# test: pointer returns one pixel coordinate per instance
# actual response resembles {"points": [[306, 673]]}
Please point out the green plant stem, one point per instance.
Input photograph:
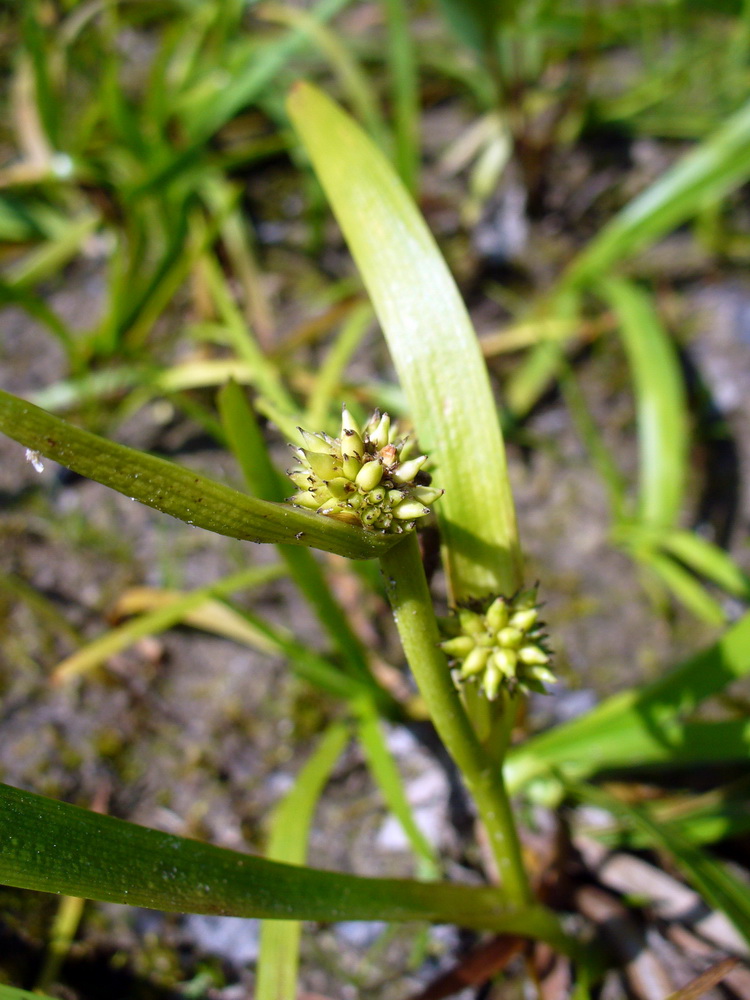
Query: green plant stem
{"points": [[410, 599]]}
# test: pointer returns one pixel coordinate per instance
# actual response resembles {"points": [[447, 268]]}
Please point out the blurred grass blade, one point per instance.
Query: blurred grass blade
{"points": [[707, 559], [175, 608], [177, 491], [355, 84], [404, 87], [717, 166], [290, 830], [327, 388], [600, 454], [249, 447], [699, 986], [685, 587], [709, 876], [51, 846], [475, 22], [702, 819], [431, 340], [266, 375], [249, 82], [648, 715], [710, 171], [660, 402], [385, 772]]}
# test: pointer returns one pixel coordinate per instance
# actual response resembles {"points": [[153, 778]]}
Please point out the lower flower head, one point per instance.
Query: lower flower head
{"points": [[365, 476], [499, 643]]}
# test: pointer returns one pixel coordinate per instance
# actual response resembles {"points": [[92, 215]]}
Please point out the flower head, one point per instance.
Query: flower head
{"points": [[365, 476], [500, 644]]}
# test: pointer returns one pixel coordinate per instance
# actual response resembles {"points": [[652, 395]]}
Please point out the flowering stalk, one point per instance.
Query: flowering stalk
{"points": [[367, 477], [411, 602]]}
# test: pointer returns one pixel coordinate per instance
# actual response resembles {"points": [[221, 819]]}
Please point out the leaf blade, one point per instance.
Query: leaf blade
{"points": [[56, 847], [431, 340], [178, 491]]}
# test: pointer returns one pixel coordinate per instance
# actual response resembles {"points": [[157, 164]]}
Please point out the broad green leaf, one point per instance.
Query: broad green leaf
{"points": [[660, 403], [431, 340], [638, 721], [707, 874], [290, 830], [177, 491], [55, 847]]}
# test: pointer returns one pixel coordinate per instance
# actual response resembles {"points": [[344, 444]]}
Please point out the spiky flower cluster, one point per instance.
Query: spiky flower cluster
{"points": [[500, 643], [364, 477]]}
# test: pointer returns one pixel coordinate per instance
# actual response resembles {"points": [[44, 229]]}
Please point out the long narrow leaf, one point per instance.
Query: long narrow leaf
{"points": [[649, 713], [707, 559], [386, 774], [55, 847], [177, 491], [705, 175], [279, 939], [710, 877], [660, 401], [246, 441], [159, 619], [431, 340]]}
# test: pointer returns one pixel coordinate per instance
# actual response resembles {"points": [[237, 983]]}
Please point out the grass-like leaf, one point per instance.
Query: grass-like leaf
{"points": [[175, 609], [660, 400], [246, 441], [708, 173], [707, 874], [431, 340], [180, 492], [637, 725], [55, 847], [279, 939]]}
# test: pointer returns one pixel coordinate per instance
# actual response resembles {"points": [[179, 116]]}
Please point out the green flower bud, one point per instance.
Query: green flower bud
{"points": [[460, 646], [471, 623], [510, 637], [306, 499], [407, 510], [369, 476], [532, 654], [323, 465], [523, 620], [315, 442], [427, 494], [492, 681], [475, 662], [408, 470], [340, 488], [498, 614]]}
